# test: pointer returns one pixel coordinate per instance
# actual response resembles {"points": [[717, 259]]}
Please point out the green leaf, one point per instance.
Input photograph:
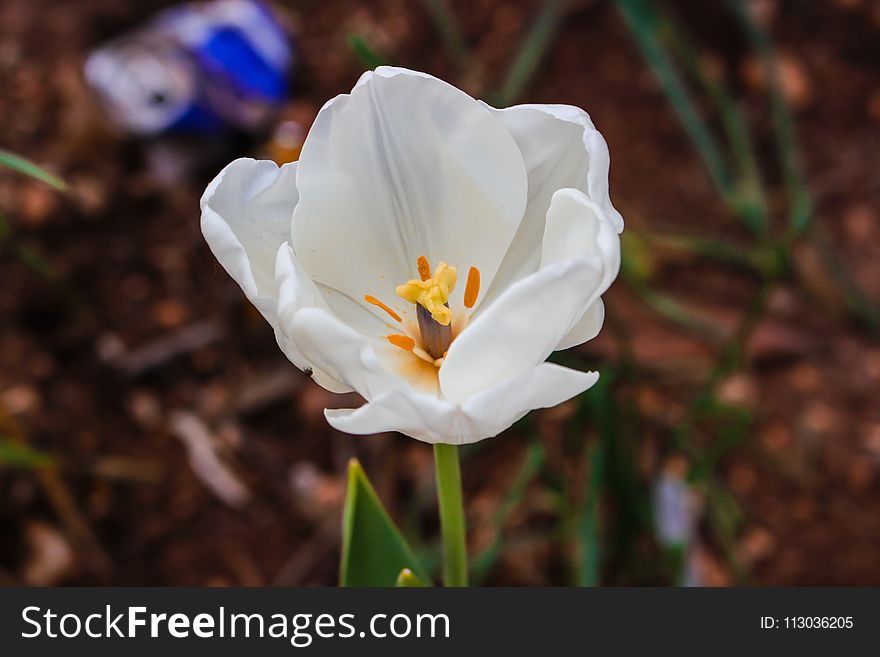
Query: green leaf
{"points": [[364, 52], [749, 201], [637, 258], [21, 165], [644, 22], [799, 198], [486, 558], [373, 551], [590, 525], [532, 50], [14, 454], [448, 27], [406, 579]]}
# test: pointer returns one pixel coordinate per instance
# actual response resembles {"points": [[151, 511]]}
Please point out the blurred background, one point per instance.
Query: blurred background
{"points": [[151, 432]]}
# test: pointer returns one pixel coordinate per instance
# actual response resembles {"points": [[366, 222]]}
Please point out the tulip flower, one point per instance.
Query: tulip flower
{"points": [[429, 252]]}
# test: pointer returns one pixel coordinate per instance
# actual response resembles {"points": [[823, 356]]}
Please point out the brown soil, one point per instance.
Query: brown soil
{"points": [[144, 327]]}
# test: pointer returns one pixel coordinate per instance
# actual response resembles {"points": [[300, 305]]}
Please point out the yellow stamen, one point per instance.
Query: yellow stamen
{"points": [[403, 341], [379, 304], [445, 277], [472, 288], [424, 268], [431, 293]]}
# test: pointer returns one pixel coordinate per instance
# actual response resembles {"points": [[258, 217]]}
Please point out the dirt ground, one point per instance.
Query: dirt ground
{"points": [[141, 351]]}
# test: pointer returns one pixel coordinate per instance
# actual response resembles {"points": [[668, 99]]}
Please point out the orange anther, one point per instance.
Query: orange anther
{"points": [[374, 301], [424, 268], [472, 289], [403, 341]]}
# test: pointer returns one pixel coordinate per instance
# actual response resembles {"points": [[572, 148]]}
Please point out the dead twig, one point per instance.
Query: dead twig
{"points": [[267, 389], [206, 463], [157, 353]]}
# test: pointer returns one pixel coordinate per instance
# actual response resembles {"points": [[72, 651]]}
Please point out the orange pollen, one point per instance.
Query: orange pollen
{"points": [[374, 301], [424, 268], [472, 289], [403, 341]]}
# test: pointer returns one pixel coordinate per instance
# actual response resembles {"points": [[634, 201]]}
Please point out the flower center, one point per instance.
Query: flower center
{"points": [[431, 298], [430, 295], [431, 292]]}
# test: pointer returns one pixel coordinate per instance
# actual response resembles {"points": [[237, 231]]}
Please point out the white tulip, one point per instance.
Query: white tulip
{"points": [[405, 173]]}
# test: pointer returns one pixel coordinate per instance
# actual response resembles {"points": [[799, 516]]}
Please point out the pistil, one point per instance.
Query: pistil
{"points": [[436, 337], [430, 294]]}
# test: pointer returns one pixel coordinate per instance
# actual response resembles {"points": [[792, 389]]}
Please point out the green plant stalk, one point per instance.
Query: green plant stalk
{"points": [[448, 26], [532, 50], [854, 296], [751, 206], [642, 19], [590, 562], [486, 558], [452, 526], [365, 52], [799, 199]]}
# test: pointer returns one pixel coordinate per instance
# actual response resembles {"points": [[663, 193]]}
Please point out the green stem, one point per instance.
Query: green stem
{"points": [[452, 525]]}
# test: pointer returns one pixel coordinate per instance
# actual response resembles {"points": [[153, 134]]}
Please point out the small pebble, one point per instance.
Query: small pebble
{"points": [[757, 545], [50, 557], [146, 408], [796, 85], [170, 313], [860, 222], [21, 399], [739, 390]]}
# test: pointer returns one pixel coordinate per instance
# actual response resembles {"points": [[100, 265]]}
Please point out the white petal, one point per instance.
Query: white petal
{"points": [[520, 328], [246, 216], [406, 165], [342, 353], [561, 148], [297, 291], [575, 224], [485, 415], [541, 387], [420, 416], [586, 328]]}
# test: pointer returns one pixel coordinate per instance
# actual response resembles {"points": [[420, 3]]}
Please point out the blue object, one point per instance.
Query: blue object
{"points": [[196, 68]]}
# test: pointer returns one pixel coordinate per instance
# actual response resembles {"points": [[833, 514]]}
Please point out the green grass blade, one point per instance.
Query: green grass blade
{"points": [[27, 168], [483, 561], [590, 565], [799, 200], [531, 52], [751, 197], [448, 27], [373, 550], [644, 24], [364, 52], [637, 266], [705, 247], [858, 303], [15, 454]]}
